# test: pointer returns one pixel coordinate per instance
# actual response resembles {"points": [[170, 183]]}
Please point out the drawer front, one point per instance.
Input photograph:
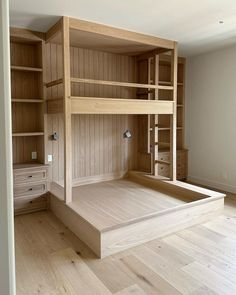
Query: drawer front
{"points": [[30, 176], [181, 164], [30, 204], [163, 156], [30, 190], [163, 170]]}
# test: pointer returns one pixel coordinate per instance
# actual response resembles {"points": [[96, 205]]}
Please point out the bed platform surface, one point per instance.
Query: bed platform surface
{"points": [[115, 215], [110, 204]]}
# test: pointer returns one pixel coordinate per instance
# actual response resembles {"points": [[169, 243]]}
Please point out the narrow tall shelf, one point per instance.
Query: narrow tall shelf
{"points": [[27, 97]]}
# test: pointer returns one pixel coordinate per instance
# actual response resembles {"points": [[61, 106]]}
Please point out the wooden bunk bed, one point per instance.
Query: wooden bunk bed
{"points": [[106, 118]]}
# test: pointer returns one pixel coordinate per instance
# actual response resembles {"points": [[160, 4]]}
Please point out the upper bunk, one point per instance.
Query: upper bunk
{"points": [[74, 33]]}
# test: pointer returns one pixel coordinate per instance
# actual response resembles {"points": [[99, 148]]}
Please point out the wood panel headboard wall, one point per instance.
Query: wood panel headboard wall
{"points": [[99, 150], [94, 81]]}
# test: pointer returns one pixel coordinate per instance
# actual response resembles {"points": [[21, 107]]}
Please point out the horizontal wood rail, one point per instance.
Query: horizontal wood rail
{"points": [[152, 53], [96, 105], [120, 84], [54, 83], [162, 162], [163, 144]]}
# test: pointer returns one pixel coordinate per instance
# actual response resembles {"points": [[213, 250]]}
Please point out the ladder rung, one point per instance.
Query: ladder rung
{"points": [[167, 144], [162, 162]]}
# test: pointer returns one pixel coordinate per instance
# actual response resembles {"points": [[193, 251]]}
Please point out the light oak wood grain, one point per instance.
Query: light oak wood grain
{"points": [[123, 219], [44, 246]]}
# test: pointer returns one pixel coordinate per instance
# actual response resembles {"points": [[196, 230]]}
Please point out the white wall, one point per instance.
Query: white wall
{"points": [[211, 118], [7, 271]]}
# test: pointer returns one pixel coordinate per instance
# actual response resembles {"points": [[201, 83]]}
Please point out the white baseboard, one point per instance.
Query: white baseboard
{"points": [[217, 185]]}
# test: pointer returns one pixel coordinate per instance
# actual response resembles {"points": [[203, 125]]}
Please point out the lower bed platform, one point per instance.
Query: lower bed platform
{"points": [[115, 215]]}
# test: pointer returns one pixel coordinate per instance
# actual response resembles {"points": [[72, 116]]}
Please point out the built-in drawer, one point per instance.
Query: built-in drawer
{"points": [[164, 156], [30, 190], [163, 170], [30, 204], [29, 176], [182, 164]]}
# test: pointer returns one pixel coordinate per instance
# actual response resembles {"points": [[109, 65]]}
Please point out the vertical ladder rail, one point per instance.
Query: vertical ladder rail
{"points": [[173, 121], [155, 118], [149, 143]]}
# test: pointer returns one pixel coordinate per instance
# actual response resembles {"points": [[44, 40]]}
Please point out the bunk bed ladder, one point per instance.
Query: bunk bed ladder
{"points": [[154, 119], [153, 122]]}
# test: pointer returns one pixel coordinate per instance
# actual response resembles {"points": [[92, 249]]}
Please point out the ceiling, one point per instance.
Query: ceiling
{"points": [[193, 23]]}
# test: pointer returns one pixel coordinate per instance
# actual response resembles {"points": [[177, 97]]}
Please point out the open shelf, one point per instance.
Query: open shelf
{"points": [[22, 100], [19, 134], [27, 165], [26, 69]]}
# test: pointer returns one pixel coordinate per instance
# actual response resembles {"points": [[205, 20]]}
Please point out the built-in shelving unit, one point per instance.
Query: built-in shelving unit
{"points": [[27, 98], [28, 128]]}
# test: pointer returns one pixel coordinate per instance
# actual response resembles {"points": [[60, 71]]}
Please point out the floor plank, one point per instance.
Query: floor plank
{"points": [[175, 276], [77, 274], [210, 278], [200, 260], [132, 290]]}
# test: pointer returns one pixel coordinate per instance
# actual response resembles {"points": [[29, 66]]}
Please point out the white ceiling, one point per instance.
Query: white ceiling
{"points": [[193, 23]]}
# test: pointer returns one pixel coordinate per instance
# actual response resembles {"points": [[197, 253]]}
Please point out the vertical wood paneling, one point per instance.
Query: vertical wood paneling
{"points": [[98, 146]]}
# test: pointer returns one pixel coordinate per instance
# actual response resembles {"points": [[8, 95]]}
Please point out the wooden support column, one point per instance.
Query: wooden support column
{"points": [[173, 121], [67, 111]]}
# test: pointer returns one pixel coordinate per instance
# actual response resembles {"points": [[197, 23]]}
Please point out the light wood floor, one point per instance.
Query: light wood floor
{"points": [[114, 202], [200, 260]]}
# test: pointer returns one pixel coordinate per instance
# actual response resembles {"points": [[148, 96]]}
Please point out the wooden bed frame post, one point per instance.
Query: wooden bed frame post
{"points": [[173, 121], [67, 110]]}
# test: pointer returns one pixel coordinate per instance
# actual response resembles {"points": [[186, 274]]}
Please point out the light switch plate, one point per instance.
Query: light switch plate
{"points": [[34, 155], [49, 158]]}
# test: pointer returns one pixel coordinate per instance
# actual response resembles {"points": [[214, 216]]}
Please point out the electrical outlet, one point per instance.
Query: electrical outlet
{"points": [[49, 158], [34, 155]]}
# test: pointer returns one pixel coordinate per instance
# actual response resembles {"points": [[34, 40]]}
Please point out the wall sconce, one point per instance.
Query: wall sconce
{"points": [[54, 136], [127, 134]]}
